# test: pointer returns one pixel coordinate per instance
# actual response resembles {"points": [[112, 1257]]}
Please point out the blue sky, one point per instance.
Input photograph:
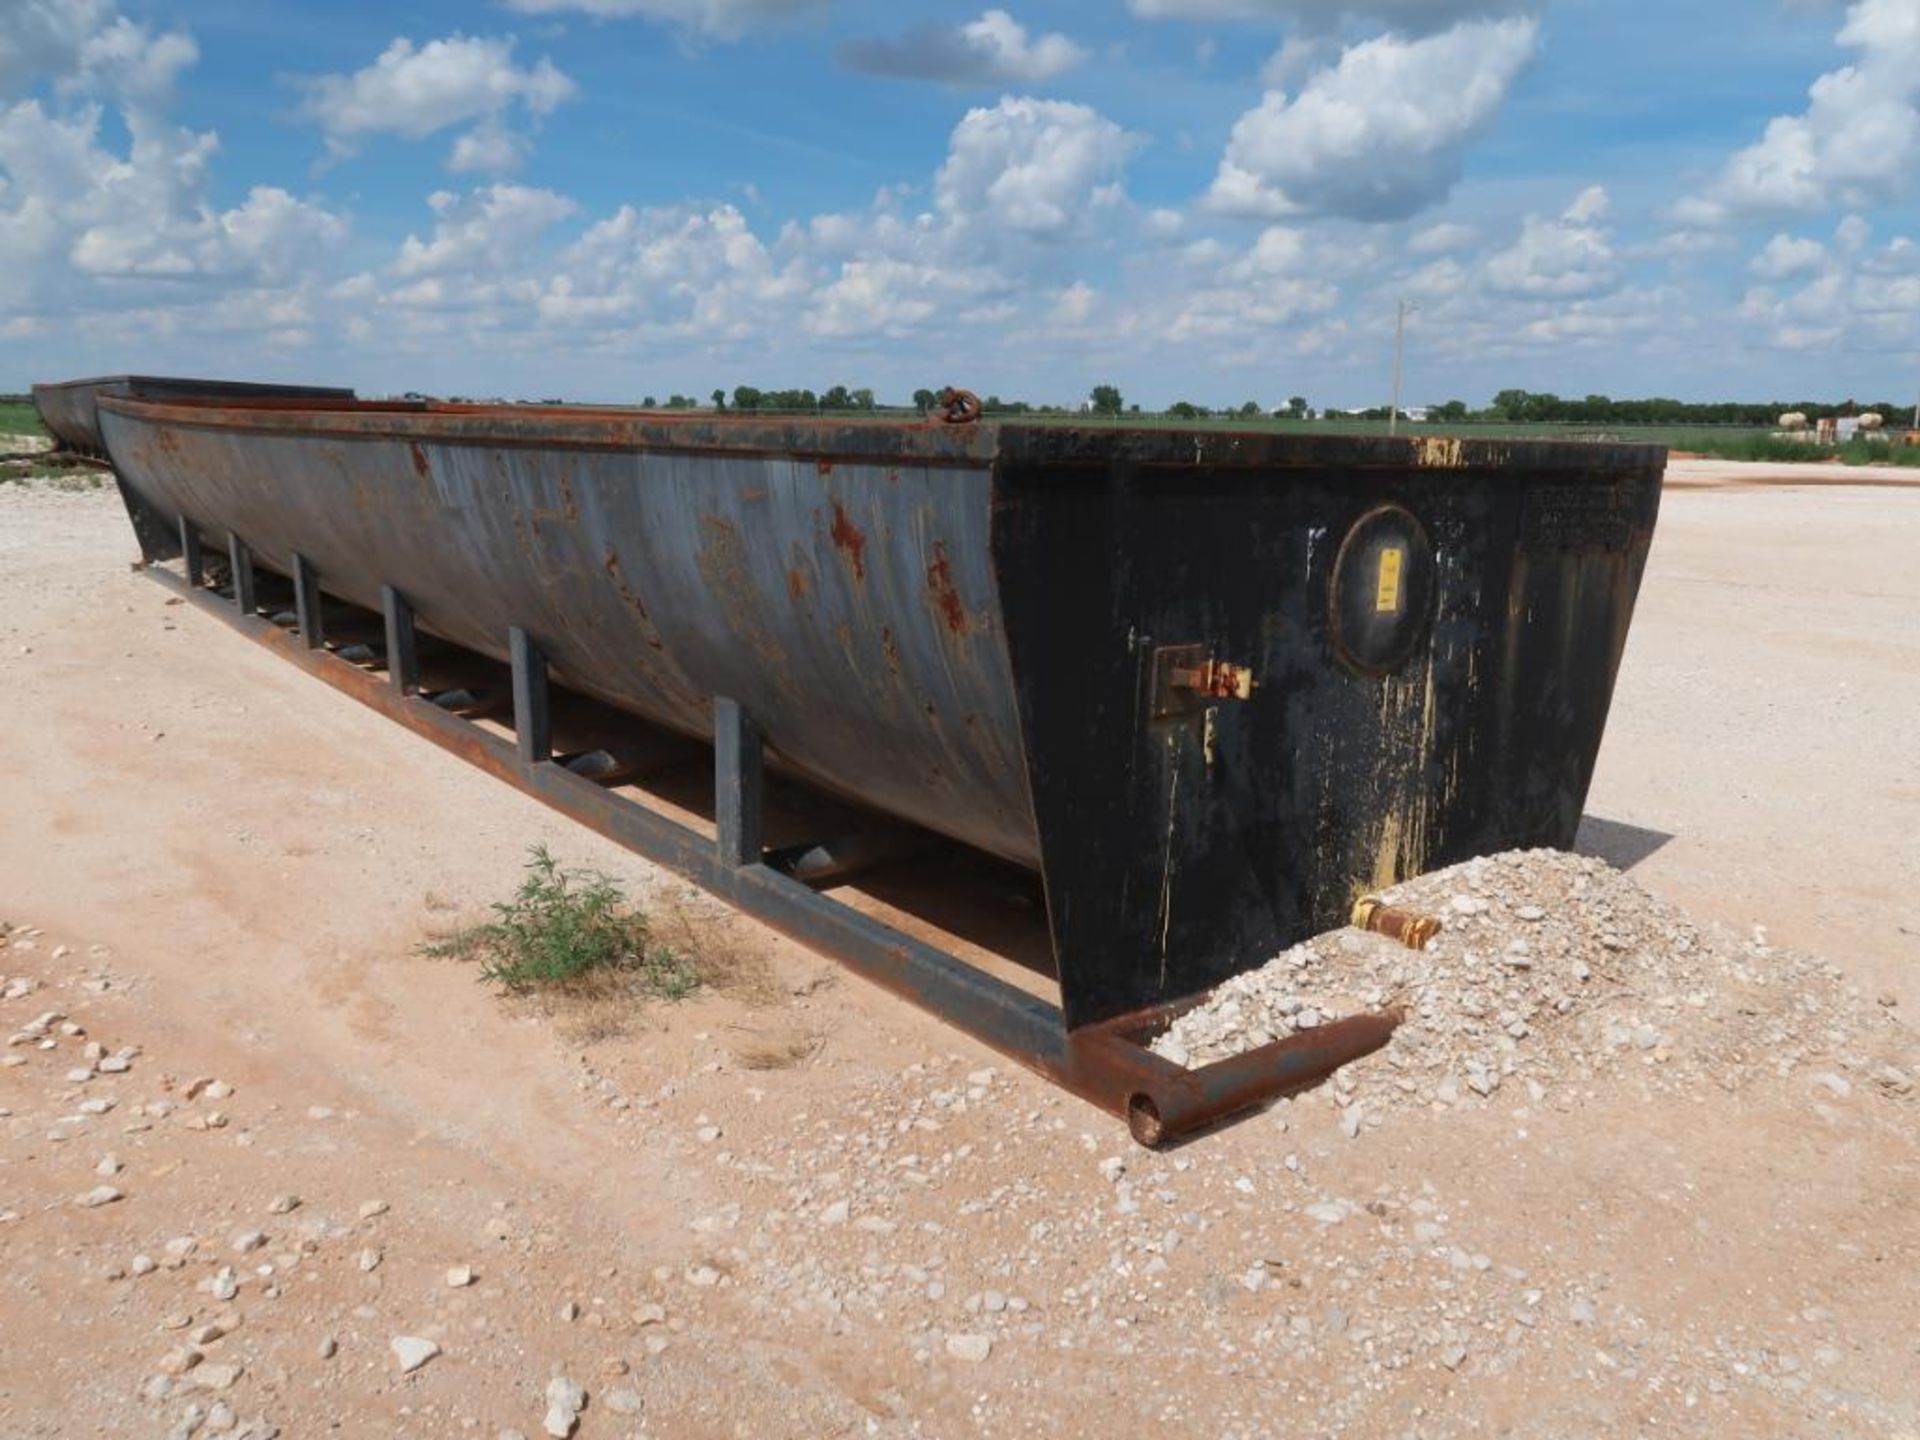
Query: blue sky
{"points": [[1215, 200]]}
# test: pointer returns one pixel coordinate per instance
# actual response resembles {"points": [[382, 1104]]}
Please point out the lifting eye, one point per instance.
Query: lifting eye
{"points": [[1380, 599]]}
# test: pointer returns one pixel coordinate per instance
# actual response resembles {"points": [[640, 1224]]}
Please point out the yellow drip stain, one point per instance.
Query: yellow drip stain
{"points": [[1406, 740], [1439, 452], [1166, 861]]}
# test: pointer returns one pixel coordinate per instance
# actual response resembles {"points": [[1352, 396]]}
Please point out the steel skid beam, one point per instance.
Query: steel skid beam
{"points": [[1106, 1064]]}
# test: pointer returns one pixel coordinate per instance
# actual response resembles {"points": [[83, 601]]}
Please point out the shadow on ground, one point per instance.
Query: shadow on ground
{"points": [[1619, 844]]}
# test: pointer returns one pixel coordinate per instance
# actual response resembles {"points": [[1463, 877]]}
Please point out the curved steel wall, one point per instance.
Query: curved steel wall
{"points": [[70, 408], [848, 603]]}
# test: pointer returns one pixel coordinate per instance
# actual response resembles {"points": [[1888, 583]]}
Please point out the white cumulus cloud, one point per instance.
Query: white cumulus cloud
{"points": [[86, 46], [1787, 255], [488, 230], [683, 271], [1379, 135], [489, 148], [45, 37], [1569, 257], [1039, 168], [1855, 142], [114, 217], [1439, 239], [415, 91], [993, 50]]}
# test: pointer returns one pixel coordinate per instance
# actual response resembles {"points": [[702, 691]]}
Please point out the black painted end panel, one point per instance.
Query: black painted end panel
{"points": [[1184, 839]]}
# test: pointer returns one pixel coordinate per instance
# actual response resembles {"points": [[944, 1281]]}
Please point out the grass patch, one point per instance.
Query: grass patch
{"points": [[18, 417], [1773, 449], [33, 471], [572, 932]]}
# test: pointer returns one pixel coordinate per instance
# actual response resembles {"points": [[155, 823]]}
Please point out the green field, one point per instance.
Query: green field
{"points": [[1677, 437], [18, 417]]}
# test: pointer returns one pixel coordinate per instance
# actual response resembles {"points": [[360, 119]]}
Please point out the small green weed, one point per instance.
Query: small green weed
{"points": [[572, 931]]}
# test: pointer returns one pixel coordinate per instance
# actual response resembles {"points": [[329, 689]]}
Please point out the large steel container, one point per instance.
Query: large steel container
{"points": [[1212, 685], [70, 408], [70, 411]]}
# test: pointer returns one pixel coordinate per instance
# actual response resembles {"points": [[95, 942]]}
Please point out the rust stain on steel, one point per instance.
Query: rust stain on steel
{"points": [[797, 583], [1215, 679], [639, 606], [946, 598], [823, 466], [851, 540], [568, 511], [890, 648], [419, 454], [723, 564]]}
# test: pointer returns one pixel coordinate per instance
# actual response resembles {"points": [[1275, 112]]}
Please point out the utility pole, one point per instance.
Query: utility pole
{"points": [[1399, 358]]}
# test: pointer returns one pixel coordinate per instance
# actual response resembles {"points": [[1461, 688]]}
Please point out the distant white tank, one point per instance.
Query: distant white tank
{"points": [[1793, 420], [1872, 421]]}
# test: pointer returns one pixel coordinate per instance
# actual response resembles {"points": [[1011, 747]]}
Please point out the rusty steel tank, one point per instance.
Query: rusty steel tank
{"points": [[1212, 685], [70, 411], [70, 408]]}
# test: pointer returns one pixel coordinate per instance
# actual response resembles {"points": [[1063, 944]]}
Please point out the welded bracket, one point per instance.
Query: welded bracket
{"points": [[240, 564], [532, 707], [403, 645], [739, 792], [1186, 677], [306, 603]]}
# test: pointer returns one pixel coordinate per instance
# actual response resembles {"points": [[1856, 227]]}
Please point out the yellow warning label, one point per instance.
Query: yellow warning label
{"points": [[1387, 594]]}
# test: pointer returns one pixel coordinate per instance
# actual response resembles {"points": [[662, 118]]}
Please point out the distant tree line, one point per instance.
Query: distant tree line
{"points": [[1509, 406], [1529, 407]]}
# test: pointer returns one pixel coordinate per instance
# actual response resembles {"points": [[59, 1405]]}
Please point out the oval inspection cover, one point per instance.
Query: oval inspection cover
{"points": [[1382, 591]]}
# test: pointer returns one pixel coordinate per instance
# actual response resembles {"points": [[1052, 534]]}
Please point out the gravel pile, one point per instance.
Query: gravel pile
{"points": [[1553, 968]]}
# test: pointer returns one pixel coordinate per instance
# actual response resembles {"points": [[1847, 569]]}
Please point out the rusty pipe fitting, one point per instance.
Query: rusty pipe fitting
{"points": [[1411, 930], [958, 407], [1187, 1101]]}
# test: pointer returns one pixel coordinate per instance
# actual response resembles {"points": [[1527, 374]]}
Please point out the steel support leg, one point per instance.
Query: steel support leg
{"points": [[403, 649], [306, 603], [240, 562], [190, 554], [738, 798], [532, 716]]}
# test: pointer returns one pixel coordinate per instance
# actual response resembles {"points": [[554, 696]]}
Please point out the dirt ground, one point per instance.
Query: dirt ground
{"points": [[1762, 762], [219, 870]]}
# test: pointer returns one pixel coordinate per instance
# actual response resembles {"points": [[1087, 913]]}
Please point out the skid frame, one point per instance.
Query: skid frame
{"points": [[1108, 1063]]}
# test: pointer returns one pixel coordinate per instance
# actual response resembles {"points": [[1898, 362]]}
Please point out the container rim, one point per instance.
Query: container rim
{"points": [[1064, 444], [238, 389]]}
